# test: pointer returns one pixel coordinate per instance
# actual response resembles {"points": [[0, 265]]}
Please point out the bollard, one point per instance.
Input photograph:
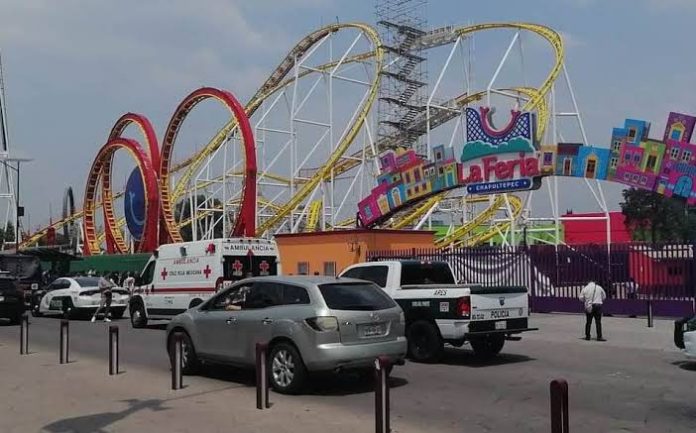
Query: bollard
{"points": [[24, 335], [559, 406], [113, 350], [382, 365], [262, 401], [176, 362], [64, 341], [650, 314]]}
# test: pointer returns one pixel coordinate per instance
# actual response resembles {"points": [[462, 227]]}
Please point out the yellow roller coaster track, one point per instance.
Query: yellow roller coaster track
{"points": [[313, 217], [458, 235], [536, 101], [276, 82]]}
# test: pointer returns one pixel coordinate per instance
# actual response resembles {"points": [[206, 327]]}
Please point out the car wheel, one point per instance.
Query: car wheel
{"points": [[189, 360], [487, 347], [286, 371], [424, 342], [137, 315]]}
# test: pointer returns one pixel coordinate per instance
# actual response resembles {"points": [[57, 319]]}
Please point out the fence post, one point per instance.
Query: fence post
{"points": [[382, 365], [559, 406], [532, 275], [176, 362], [262, 377], [64, 341], [113, 350], [24, 335]]}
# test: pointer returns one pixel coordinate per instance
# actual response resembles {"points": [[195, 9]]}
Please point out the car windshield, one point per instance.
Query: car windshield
{"points": [[87, 281], [355, 296]]}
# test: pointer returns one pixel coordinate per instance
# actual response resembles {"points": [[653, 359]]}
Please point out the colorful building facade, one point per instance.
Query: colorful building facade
{"points": [[509, 159]]}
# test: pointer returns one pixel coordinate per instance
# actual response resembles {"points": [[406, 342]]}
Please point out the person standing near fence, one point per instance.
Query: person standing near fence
{"points": [[106, 297], [593, 296]]}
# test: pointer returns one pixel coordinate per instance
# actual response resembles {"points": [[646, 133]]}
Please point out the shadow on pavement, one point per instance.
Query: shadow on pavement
{"points": [[467, 358], [240, 376], [99, 421], [686, 365], [328, 384], [348, 383]]}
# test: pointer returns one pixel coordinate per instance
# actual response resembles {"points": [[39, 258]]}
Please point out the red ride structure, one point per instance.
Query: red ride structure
{"points": [[155, 168]]}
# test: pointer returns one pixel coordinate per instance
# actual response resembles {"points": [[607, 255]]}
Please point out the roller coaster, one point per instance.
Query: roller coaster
{"points": [[272, 169]]}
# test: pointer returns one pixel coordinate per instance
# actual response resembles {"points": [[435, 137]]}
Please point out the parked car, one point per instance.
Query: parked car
{"points": [[310, 323], [79, 297], [11, 300], [685, 335]]}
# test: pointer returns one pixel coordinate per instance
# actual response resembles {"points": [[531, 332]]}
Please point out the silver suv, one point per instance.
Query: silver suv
{"points": [[310, 324]]}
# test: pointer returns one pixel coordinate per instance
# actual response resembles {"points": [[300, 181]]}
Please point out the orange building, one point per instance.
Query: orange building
{"points": [[328, 253]]}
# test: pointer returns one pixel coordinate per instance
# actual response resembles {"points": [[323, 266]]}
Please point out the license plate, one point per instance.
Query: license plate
{"points": [[372, 330], [56, 304], [501, 325]]}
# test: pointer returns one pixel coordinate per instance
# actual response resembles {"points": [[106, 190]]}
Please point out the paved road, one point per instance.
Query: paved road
{"points": [[636, 382]]}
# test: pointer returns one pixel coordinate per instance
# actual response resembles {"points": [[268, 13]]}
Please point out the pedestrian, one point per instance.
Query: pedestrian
{"points": [[129, 283], [105, 303], [631, 289], [593, 296]]}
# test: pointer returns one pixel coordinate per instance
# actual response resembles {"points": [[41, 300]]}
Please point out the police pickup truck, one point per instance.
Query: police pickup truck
{"points": [[438, 311]]}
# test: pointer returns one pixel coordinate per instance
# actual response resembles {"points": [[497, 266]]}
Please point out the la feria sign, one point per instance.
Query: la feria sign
{"points": [[499, 160]]}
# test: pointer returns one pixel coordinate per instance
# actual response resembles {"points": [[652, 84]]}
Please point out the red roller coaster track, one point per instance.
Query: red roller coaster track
{"points": [[104, 159], [114, 239], [246, 221], [155, 170]]}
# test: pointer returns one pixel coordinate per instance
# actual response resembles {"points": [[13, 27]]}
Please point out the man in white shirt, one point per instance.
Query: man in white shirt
{"points": [[593, 296], [129, 283]]}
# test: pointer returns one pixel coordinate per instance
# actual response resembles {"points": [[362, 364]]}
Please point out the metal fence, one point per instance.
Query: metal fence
{"points": [[633, 274]]}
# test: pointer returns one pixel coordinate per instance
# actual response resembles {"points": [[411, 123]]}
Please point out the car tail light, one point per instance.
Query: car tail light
{"points": [[323, 323], [464, 306]]}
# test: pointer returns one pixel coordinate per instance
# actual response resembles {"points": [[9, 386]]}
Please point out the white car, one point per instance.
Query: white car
{"points": [[80, 296], [690, 344]]}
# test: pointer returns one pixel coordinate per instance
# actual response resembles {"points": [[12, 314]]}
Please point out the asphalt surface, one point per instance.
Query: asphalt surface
{"points": [[636, 382]]}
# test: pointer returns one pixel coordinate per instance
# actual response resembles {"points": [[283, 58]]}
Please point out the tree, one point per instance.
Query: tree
{"points": [[654, 217], [182, 212]]}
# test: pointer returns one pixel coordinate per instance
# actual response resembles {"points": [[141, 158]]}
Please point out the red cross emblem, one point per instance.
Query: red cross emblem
{"points": [[237, 266], [264, 266], [207, 271], [164, 273]]}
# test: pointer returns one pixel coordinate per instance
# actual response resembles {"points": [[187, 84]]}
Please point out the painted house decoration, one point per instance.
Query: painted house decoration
{"points": [[406, 178], [509, 159]]}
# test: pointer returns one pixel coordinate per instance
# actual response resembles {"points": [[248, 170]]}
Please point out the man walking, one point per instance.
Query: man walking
{"points": [[593, 296], [106, 297]]}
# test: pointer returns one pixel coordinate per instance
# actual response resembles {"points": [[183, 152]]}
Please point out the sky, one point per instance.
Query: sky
{"points": [[73, 67]]}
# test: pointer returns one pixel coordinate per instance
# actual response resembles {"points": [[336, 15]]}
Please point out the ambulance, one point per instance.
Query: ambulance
{"points": [[180, 276]]}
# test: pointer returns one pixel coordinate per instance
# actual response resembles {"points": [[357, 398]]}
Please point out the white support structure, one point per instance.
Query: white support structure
{"points": [[8, 203]]}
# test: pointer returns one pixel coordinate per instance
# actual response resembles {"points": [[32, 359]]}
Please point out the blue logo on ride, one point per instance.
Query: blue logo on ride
{"points": [[134, 204]]}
